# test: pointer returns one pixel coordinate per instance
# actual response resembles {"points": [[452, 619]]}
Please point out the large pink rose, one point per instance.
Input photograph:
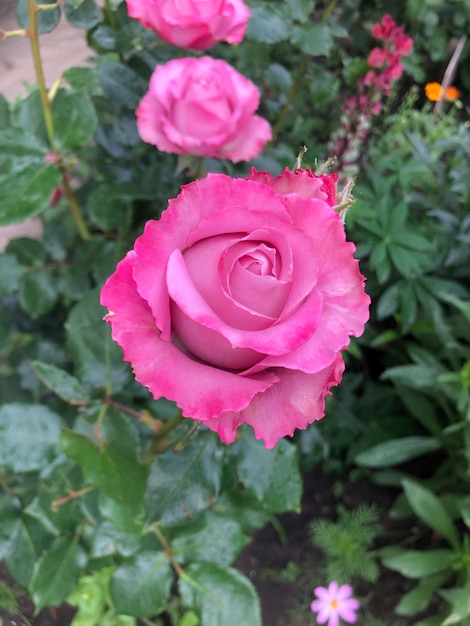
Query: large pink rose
{"points": [[238, 302], [202, 107], [196, 24]]}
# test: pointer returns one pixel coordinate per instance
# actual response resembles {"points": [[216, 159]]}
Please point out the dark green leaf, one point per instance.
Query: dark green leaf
{"points": [[29, 437], [414, 376], [113, 467], [313, 38], [223, 596], [75, 119], [121, 85], [141, 586], [10, 523], [108, 541], [267, 25], [388, 302], [4, 112], [417, 564], [24, 550], [98, 358], [56, 573], [182, 484], [47, 19], [273, 475], [50, 505], [38, 293], [209, 537], [396, 451], [62, 383], [300, 10], [84, 14], [26, 179], [84, 79], [429, 508], [10, 274]]}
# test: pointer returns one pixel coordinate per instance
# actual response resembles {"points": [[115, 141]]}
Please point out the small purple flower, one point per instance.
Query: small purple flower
{"points": [[333, 603]]}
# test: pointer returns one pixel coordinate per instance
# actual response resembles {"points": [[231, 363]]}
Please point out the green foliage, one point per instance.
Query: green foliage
{"points": [[346, 544], [95, 507]]}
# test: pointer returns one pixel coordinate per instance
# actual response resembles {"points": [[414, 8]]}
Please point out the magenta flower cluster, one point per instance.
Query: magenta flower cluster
{"points": [[199, 106], [385, 68]]}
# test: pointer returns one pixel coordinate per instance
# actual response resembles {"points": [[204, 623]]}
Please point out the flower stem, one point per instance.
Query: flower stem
{"points": [[75, 209], [159, 444], [48, 120], [110, 15], [34, 41]]}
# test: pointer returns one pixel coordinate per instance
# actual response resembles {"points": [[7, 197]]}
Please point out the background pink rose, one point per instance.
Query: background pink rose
{"points": [[202, 107], [237, 304], [196, 24]]}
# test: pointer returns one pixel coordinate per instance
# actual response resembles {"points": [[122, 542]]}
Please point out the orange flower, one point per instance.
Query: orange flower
{"points": [[452, 93], [434, 92]]}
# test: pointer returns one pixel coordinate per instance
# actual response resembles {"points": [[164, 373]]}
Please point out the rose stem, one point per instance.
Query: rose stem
{"points": [[48, 121], [158, 444]]}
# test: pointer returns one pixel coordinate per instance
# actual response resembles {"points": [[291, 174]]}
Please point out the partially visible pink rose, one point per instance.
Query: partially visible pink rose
{"points": [[202, 107], [195, 24], [238, 303]]}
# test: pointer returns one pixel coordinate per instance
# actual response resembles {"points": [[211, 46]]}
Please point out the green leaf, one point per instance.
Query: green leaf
{"points": [[4, 112], [56, 573], [84, 79], [223, 596], [389, 300], [300, 10], [141, 585], [98, 358], [430, 510], [459, 598], [209, 537], [10, 523], [109, 541], [60, 382], [56, 482], [84, 14], [313, 38], [38, 293], [419, 597], [414, 376], [273, 475], [47, 19], [121, 84], [183, 483], [464, 508], [417, 564], [10, 274], [267, 25], [396, 451], [26, 179], [75, 119], [29, 437], [25, 546], [404, 261], [113, 467]]}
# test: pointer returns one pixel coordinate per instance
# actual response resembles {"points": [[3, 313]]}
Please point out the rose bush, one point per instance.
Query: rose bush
{"points": [[238, 302], [202, 107], [195, 24]]}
